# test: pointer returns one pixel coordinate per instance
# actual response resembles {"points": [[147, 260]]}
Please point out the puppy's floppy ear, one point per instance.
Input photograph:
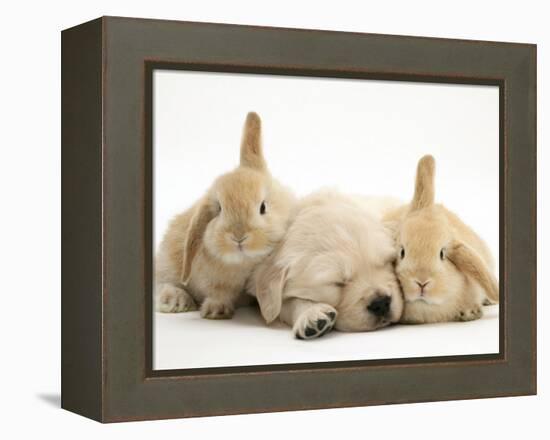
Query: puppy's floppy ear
{"points": [[424, 190], [252, 155], [199, 221], [471, 264], [270, 283]]}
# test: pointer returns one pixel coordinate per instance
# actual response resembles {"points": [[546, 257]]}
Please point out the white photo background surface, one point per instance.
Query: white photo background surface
{"points": [[360, 136]]}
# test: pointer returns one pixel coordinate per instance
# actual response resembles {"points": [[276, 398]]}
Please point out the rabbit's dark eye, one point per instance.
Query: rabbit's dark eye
{"points": [[442, 254], [262, 208], [402, 254]]}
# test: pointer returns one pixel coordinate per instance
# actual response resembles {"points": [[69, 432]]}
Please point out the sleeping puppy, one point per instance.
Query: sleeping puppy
{"points": [[334, 268]]}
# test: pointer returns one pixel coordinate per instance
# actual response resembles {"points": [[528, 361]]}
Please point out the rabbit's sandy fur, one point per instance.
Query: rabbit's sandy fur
{"points": [[333, 262], [199, 263], [461, 281]]}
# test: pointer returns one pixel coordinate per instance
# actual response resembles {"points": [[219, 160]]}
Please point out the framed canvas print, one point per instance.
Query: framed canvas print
{"points": [[263, 219]]}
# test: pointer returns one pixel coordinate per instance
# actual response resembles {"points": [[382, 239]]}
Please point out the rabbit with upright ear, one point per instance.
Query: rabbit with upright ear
{"points": [[209, 251], [444, 267]]}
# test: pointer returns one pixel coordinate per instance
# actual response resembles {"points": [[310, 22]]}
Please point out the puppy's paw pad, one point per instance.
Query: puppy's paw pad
{"points": [[310, 332], [174, 300], [216, 310], [315, 322], [470, 314]]}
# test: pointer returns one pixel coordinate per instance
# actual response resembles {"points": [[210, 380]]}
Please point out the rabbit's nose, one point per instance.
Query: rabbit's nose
{"points": [[239, 240], [422, 285], [380, 306]]}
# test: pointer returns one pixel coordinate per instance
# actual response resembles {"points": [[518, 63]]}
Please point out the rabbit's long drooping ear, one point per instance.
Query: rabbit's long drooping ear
{"points": [[424, 190], [269, 286], [193, 241], [252, 155], [471, 264]]}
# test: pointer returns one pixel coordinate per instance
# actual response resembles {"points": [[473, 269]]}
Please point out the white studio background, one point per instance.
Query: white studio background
{"points": [[361, 136], [30, 220]]}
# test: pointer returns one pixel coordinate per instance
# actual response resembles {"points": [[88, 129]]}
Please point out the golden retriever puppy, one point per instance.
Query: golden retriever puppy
{"points": [[333, 269]]}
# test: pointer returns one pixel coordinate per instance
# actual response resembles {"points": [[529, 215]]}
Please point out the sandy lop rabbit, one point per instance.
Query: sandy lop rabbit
{"points": [[209, 251], [444, 267], [334, 268]]}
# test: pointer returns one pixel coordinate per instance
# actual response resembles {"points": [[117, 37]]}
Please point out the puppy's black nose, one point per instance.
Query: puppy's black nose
{"points": [[380, 306]]}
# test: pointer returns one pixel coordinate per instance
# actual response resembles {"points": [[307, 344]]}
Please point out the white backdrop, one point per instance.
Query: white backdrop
{"points": [[364, 137], [30, 189], [361, 136]]}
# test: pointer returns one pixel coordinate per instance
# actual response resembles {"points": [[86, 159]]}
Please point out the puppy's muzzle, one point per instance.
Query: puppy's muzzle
{"points": [[380, 306]]}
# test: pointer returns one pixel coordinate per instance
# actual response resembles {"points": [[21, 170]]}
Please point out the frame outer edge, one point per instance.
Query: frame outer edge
{"points": [[534, 78], [82, 366]]}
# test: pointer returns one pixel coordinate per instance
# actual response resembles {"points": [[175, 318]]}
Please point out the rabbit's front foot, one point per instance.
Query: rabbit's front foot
{"points": [[470, 314], [172, 299], [214, 309]]}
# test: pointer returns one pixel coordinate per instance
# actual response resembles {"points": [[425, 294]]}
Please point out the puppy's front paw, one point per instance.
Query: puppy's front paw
{"points": [[314, 322], [172, 299], [470, 314], [212, 309]]}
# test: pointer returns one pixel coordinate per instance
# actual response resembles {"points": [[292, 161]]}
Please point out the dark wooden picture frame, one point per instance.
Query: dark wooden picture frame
{"points": [[107, 67]]}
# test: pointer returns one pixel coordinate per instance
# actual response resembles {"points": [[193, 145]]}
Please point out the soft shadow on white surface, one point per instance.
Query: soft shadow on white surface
{"points": [[184, 340], [52, 399]]}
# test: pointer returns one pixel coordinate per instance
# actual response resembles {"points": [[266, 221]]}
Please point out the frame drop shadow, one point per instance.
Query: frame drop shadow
{"points": [[52, 399]]}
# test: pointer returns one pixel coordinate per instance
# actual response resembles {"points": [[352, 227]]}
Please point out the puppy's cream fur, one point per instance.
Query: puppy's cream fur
{"points": [[209, 251], [334, 261], [445, 269]]}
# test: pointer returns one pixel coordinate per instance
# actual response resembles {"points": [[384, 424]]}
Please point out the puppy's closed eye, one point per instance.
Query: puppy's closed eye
{"points": [[340, 284]]}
